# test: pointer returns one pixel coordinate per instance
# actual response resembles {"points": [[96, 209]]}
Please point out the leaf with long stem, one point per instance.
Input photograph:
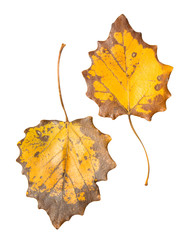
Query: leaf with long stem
{"points": [[126, 76], [62, 162]]}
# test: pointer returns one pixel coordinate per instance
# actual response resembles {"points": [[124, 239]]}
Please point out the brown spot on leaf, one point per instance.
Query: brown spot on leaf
{"points": [[45, 138], [134, 54], [159, 78], [38, 132], [36, 154], [158, 87]]}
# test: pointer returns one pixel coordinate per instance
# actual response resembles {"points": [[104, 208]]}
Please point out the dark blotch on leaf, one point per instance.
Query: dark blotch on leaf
{"points": [[158, 87], [159, 78], [36, 154], [38, 132], [45, 138], [134, 54], [79, 161]]}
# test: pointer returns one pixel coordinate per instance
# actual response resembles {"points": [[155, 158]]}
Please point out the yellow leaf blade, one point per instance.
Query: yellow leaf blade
{"points": [[125, 76], [63, 161]]}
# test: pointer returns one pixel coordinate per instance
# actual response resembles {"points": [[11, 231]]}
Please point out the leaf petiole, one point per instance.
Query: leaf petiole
{"points": [[146, 183], [58, 78]]}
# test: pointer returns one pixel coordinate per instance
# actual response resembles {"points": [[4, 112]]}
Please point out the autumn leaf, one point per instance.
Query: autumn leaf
{"points": [[62, 162], [126, 77]]}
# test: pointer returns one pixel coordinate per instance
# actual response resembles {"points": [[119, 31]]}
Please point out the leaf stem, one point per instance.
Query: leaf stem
{"points": [[146, 183], [58, 78]]}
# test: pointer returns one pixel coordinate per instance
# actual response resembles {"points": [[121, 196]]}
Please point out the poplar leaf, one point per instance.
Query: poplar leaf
{"points": [[62, 162], [126, 76]]}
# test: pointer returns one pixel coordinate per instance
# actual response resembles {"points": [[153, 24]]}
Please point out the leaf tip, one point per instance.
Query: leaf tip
{"points": [[121, 18], [57, 225]]}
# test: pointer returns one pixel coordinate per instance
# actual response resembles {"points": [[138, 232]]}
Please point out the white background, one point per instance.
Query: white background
{"points": [[31, 33]]}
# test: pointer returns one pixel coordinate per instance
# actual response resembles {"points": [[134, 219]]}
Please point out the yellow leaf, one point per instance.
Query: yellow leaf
{"points": [[126, 76], [63, 161]]}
